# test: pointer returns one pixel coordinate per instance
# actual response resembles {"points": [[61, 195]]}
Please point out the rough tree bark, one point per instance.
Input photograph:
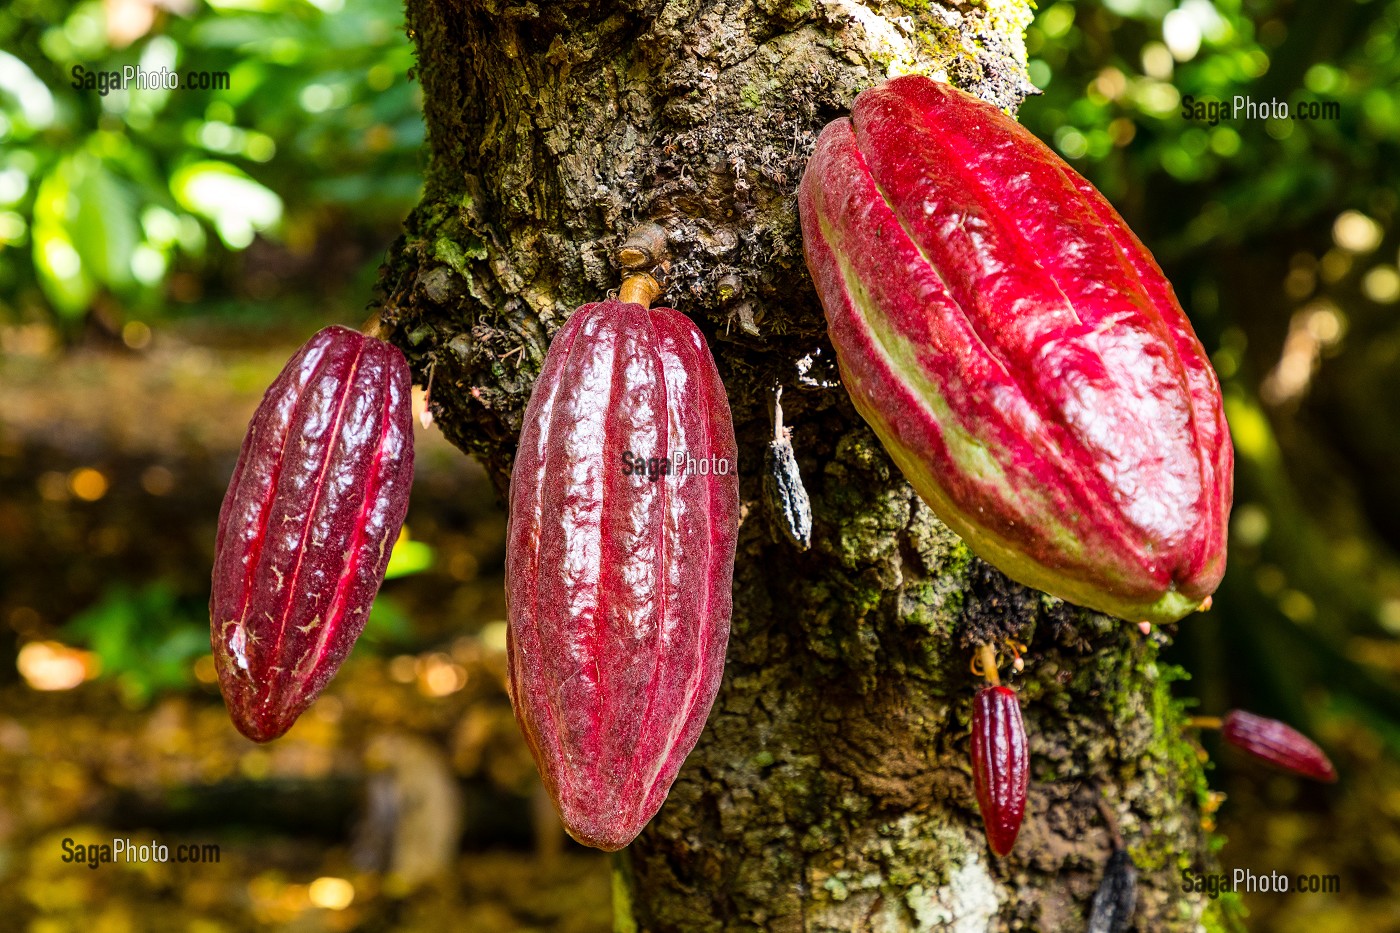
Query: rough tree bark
{"points": [[832, 789]]}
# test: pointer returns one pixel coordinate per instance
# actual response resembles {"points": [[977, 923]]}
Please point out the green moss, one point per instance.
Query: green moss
{"points": [[1009, 18], [836, 888], [937, 46]]}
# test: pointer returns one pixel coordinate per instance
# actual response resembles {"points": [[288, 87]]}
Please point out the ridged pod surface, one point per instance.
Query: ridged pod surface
{"points": [[1018, 352], [311, 515], [1277, 743], [1000, 765], [619, 570]]}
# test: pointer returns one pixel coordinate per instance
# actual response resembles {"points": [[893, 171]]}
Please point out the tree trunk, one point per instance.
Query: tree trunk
{"points": [[831, 789]]}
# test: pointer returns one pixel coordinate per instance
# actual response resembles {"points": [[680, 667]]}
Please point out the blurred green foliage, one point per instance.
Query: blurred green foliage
{"points": [[147, 639], [107, 193], [1115, 75]]}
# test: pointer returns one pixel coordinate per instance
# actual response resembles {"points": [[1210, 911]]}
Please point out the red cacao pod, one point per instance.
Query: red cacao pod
{"points": [[1280, 745], [1000, 765], [624, 505], [1018, 352], [310, 518]]}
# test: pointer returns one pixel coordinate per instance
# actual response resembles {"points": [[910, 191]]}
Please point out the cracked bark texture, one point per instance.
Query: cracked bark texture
{"points": [[831, 789]]}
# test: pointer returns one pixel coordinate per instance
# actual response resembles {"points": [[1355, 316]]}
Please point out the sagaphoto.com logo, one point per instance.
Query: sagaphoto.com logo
{"points": [[1212, 112], [134, 77], [680, 463]]}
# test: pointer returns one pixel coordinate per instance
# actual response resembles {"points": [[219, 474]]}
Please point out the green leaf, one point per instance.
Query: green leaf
{"points": [[234, 203], [388, 623], [105, 230], [408, 557], [62, 275]]}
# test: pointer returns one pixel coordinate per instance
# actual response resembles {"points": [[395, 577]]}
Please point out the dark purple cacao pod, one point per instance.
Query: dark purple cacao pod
{"points": [[1280, 745], [1018, 352], [310, 518], [624, 506], [1000, 765]]}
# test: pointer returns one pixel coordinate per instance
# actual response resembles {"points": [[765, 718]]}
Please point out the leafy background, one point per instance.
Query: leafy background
{"points": [[162, 252]]}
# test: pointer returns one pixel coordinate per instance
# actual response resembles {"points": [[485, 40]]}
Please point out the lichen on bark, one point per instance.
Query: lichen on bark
{"points": [[831, 789]]}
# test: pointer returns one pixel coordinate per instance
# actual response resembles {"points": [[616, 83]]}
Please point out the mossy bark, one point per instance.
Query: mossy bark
{"points": [[831, 789]]}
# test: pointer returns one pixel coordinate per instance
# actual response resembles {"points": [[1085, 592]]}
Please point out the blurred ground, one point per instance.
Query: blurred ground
{"points": [[113, 462]]}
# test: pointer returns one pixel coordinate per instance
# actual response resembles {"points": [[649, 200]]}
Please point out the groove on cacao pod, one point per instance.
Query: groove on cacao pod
{"points": [[315, 504], [1018, 352], [1000, 765], [618, 580]]}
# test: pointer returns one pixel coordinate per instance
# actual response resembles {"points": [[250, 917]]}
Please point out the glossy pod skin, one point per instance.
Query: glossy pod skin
{"points": [[618, 569], [310, 518], [1000, 765], [1276, 743], [1018, 352]]}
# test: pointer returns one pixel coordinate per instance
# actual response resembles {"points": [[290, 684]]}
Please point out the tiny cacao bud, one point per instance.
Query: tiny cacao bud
{"points": [[1000, 765], [1018, 352], [1116, 898], [624, 511], [1276, 743], [311, 515], [644, 248]]}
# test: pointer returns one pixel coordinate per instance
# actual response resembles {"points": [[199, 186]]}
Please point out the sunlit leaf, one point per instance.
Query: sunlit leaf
{"points": [[105, 230], [21, 88], [237, 205], [408, 557], [57, 262]]}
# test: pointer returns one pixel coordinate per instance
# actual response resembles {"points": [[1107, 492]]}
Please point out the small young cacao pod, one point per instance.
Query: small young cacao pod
{"points": [[624, 508], [1280, 745], [311, 515], [1018, 352], [1000, 765]]}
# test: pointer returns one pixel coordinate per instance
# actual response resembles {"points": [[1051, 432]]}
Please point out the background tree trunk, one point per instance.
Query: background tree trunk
{"points": [[831, 789]]}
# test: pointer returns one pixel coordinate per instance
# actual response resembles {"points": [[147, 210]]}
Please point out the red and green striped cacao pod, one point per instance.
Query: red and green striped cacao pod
{"points": [[624, 507], [311, 514], [1000, 765], [1018, 352], [1277, 743]]}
